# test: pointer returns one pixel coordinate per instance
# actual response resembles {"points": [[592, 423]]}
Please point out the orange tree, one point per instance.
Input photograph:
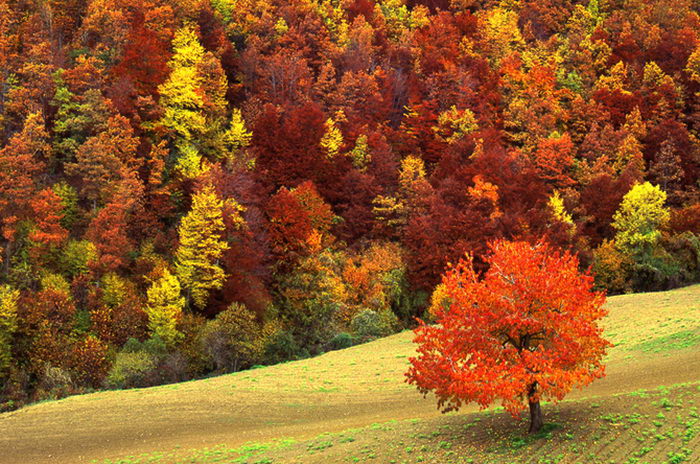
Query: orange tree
{"points": [[527, 331]]}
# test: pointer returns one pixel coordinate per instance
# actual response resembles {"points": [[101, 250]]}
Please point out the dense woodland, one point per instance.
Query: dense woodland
{"points": [[197, 186]]}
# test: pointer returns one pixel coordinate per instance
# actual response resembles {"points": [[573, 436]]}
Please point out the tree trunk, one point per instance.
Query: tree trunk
{"points": [[536, 422]]}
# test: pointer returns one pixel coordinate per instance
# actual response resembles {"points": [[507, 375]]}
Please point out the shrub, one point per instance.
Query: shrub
{"points": [[130, 370], [657, 271], [55, 382], [611, 268], [89, 361], [685, 250], [281, 346], [233, 340], [191, 345], [14, 389], [341, 341], [146, 364], [369, 324]]}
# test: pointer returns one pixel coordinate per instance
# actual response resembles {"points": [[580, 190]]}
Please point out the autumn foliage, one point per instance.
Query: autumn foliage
{"points": [[315, 165], [524, 333]]}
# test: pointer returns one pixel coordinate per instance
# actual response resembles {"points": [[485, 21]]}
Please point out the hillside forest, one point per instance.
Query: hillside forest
{"points": [[191, 187]]}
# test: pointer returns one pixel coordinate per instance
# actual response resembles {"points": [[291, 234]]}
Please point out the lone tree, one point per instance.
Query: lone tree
{"points": [[525, 332]]}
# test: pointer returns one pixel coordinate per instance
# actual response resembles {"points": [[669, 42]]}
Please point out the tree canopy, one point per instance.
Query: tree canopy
{"points": [[526, 332]]}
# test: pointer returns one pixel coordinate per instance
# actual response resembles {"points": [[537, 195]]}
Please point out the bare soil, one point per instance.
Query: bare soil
{"points": [[331, 393]]}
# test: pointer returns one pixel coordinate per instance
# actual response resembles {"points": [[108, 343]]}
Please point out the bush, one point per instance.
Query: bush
{"points": [[685, 250], [153, 346], [341, 341], [233, 340], [14, 389], [55, 383], [611, 268], [130, 370], [89, 361], [146, 364], [369, 324], [675, 262], [192, 327], [281, 346]]}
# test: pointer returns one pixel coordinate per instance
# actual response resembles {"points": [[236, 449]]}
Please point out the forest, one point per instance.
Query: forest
{"points": [[190, 187]]}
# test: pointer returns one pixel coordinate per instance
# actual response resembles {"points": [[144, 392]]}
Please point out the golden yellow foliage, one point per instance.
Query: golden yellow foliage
{"points": [[8, 323], [201, 247], [164, 307]]}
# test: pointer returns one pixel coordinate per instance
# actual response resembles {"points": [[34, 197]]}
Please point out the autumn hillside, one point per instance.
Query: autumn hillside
{"points": [[195, 187], [656, 335]]}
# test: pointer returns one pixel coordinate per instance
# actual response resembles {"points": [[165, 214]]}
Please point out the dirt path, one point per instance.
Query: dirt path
{"points": [[114, 424]]}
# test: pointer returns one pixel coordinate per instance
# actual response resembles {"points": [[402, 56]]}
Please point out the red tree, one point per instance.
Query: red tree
{"points": [[526, 332], [49, 234], [294, 216]]}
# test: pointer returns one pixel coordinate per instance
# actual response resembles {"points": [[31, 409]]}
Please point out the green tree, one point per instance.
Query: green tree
{"points": [[234, 339], [77, 256], [311, 297], [361, 155], [69, 201], [201, 246], [76, 120]]}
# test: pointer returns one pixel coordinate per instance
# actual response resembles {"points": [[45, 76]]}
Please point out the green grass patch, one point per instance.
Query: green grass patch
{"points": [[672, 342]]}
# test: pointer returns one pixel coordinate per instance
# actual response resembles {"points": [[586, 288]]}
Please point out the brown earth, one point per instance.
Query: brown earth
{"points": [[658, 426], [339, 390]]}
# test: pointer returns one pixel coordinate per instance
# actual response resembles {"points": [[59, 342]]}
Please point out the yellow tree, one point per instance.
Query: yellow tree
{"points": [[502, 34], [411, 174], [201, 246], [455, 124], [332, 139], [193, 101], [557, 209], [237, 138], [394, 210], [361, 155], [183, 106], [693, 66], [165, 307], [641, 215], [8, 323], [629, 157]]}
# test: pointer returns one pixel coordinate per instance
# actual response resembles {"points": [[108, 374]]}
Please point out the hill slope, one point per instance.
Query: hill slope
{"points": [[656, 337]]}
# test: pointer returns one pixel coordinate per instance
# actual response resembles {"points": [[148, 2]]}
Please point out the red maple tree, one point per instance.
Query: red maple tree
{"points": [[527, 331]]}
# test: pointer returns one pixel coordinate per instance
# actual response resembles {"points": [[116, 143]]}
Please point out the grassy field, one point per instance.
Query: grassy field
{"points": [[353, 406], [647, 426]]}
